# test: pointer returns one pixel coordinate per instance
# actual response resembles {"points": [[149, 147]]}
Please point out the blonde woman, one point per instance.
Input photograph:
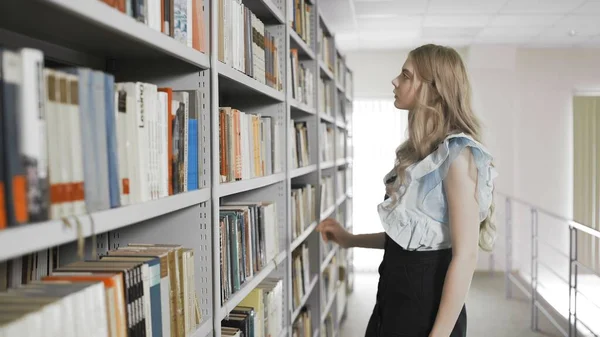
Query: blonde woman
{"points": [[438, 208]]}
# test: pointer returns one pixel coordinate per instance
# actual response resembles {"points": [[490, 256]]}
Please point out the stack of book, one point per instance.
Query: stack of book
{"points": [[302, 326], [326, 49], [300, 19], [340, 71], [302, 80], [325, 97], [327, 142], [303, 208], [181, 19], [135, 290], [341, 179], [249, 145], [259, 314], [330, 279], [246, 45], [340, 144], [300, 274], [74, 141], [299, 144], [249, 240], [327, 193]]}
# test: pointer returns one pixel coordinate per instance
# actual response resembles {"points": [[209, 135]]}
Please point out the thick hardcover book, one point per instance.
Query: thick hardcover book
{"points": [[15, 177], [33, 134]]}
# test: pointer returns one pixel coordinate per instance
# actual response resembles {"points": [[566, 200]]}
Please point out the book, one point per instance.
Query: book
{"points": [[15, 183]]}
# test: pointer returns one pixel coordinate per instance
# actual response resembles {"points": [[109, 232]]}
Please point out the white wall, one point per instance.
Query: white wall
{"points": [[523, 97]]}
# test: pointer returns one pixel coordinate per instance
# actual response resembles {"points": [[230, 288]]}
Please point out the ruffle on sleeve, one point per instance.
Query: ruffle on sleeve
{"points": [[432, 170]]}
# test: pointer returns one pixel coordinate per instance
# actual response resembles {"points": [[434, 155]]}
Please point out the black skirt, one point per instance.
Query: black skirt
{"points": [[409, 293]]}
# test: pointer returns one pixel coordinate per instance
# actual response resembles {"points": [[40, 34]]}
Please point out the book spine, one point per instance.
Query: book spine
{"points": [[111, 141], [15, 181], [33, 135], [77, 179]]}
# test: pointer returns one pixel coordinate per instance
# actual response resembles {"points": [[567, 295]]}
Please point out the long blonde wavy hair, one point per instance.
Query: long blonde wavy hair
{"points": [[443, 107]]}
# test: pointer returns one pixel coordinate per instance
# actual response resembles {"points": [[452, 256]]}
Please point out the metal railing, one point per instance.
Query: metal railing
{"points": [[574, 264]]}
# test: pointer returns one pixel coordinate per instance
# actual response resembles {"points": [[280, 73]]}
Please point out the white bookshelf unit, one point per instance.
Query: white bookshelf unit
{"points": [[91, 34]]}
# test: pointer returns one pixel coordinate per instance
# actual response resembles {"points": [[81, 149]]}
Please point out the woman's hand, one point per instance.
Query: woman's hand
{"points": [[331, 229]]}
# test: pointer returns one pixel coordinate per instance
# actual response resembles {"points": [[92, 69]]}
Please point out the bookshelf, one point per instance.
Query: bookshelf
{"points": [[89, 33]]}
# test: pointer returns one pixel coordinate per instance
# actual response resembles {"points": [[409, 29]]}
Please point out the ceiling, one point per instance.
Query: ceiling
{"points": [[399, 24]]}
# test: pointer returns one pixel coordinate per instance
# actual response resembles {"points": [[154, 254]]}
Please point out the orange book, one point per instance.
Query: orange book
{"points": [[198, 26], [115, 292], [170, 119], [118, 4], [237, 133], [162, 16]]}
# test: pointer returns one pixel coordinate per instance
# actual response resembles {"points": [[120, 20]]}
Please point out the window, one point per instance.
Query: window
{"points": [[379, 128]]}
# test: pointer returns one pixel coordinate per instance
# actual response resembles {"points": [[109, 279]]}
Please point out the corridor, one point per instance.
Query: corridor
{"points": [[490, 314]]}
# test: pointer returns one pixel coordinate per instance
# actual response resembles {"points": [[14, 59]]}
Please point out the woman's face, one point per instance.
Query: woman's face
{"points": [[405, 87]]}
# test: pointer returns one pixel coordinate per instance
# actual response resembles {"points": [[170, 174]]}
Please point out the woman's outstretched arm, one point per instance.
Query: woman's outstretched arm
{"points": [[463, 209], [331, 229]]}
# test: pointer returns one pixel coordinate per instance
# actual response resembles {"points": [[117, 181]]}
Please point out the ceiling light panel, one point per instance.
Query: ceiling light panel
{"points": [[465, 6], [541, 6]]}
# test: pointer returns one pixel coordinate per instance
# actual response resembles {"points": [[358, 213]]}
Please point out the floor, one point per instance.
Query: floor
{"points": [[490, 314]]}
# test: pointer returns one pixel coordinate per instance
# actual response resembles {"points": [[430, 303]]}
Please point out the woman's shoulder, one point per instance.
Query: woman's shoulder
{"points": [[448, 150]]}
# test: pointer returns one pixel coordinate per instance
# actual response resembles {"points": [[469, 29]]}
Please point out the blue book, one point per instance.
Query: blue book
{"points": [[111, 141], [192, 155]]}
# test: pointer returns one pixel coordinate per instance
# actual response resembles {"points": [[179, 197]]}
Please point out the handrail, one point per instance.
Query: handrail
{"points": [[574, 264], [571, 222]]}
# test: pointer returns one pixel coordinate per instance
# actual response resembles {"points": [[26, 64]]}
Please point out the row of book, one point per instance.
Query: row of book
{"points": [[301, 276], [303, 208], [327, 193], [340, 70], [134, 290], [246, 45], [259, 314], [299, 144], [327, 327], [248, 241], [249, 145], [326, 90], [341, 181], [330, 280], [181, 19], [327, 142], [74, 141], [302, 79], [326, 49], [300, 19], [340, 144], [302, 327]]}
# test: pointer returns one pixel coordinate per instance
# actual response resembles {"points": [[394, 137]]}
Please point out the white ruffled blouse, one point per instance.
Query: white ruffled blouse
{"points": [[419, 220]]}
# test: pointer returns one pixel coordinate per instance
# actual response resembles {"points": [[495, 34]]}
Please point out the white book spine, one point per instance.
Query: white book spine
{"points": [[131, 132], [189, 23], [76, 162], [64, 128], [143, 103], [31, 118]]}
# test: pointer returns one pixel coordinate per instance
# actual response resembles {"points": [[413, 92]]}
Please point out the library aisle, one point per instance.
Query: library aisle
{"points": [[164, 165]]}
